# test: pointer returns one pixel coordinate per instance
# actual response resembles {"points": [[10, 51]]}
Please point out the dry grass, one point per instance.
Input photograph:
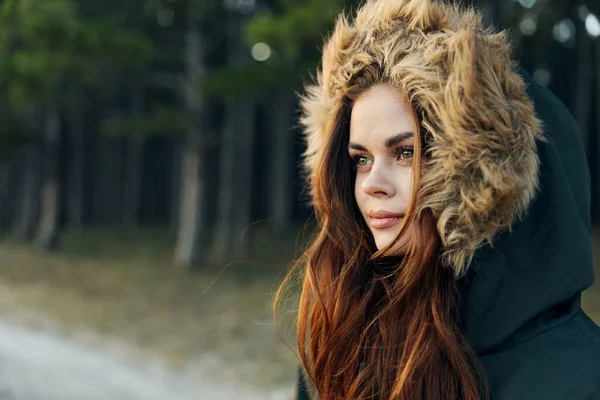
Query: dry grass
{"points": [[130, 290]]}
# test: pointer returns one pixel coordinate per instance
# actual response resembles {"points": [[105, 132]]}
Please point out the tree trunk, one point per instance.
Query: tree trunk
{"points": [[281, 157], [597, 80], [490, 12], [13, 194], [98, 181], [503, 12], [28, 195], [108, 185], [230, 210], [243, 175], [114, 181], [132, 183], [6, 192], [176, 181], [223, 236], [76, 170], [47, 234], [134, 151], [235, 181], [584, 91], [187, 249], [188, 232]]}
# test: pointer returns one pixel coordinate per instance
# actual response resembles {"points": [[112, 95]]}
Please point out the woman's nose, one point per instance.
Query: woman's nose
{"points": [[378, 183]]}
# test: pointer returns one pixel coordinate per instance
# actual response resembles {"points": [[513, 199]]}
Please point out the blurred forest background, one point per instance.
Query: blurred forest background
{"points": [[150, 185]]}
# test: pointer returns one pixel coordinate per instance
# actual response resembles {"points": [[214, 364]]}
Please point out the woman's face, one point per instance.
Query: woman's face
{"points": [[381, 146]]}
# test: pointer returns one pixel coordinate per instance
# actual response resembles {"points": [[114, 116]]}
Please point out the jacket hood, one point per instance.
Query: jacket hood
{"points": [[531, 279], [476, 117], [511, 193]]}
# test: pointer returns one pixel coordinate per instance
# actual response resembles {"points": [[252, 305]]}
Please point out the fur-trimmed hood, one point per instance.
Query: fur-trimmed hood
{"points": [[479, 123]]}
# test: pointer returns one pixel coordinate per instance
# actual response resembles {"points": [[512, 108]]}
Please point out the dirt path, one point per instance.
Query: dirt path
{"points": [[46, 366]]}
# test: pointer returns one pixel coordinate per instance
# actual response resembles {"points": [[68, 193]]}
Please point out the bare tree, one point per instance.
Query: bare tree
{"points": [[281, 106], [191, 187], [47, 233], [243, 176], [235, 186], [134, 151], [28, 193], [7, 193], [596, 63], [583, 94], [76, 166]]}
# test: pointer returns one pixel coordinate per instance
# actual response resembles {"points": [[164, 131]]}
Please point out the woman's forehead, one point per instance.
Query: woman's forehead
{"points": [[378, 113]]}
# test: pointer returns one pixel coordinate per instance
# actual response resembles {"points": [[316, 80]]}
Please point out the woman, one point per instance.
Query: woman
{"points": [[454, 230]]}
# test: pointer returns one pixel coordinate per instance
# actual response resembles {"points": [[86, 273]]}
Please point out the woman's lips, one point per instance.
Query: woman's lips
{"points": [[383, 219], [382, 223]]}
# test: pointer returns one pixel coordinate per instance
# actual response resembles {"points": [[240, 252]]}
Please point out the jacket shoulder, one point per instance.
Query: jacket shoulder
{"points": [[560, 363]]}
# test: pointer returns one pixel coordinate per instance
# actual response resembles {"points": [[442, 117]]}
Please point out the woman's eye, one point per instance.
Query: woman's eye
{"points": [[361, 161], [406, 153]]}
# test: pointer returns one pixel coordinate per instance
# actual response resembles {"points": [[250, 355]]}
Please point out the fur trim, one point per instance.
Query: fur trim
{"points": [[479, 124]]}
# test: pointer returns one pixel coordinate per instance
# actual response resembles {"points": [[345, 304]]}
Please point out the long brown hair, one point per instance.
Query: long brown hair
{"points": [[371, 325]]}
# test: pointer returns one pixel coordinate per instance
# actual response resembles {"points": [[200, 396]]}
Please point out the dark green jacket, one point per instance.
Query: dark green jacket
{"points": [[521, 299]]}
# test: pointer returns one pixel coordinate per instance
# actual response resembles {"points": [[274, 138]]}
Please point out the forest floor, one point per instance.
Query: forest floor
{"points": [[214, 324]]}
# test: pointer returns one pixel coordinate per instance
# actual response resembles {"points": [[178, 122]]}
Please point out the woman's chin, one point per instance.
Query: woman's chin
{"points": [[382, 242]]}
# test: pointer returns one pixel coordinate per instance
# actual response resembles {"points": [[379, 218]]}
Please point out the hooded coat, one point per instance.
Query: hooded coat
{"points": [[508, 183]]}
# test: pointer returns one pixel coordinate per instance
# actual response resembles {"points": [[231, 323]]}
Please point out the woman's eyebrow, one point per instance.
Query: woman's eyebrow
{"points": [[357, 146], [389, 142], [394, 140]]}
